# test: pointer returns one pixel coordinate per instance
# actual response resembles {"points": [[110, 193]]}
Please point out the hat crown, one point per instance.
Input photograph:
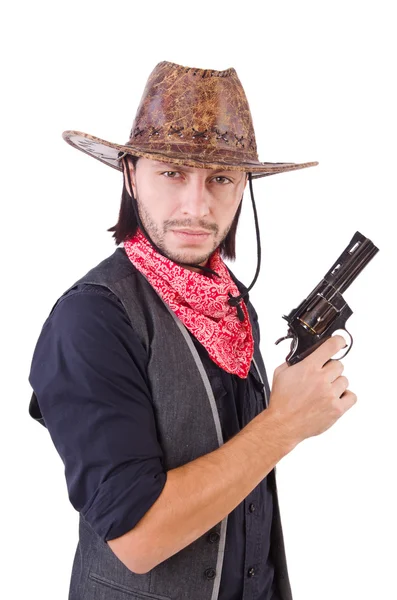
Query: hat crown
{"points": [[199, 112]]}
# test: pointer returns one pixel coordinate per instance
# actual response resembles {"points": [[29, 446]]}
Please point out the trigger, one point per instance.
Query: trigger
{"points": [[283, 338]]}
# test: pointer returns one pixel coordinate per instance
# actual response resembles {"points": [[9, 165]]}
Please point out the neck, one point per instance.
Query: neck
{"points": [[195, 269]]}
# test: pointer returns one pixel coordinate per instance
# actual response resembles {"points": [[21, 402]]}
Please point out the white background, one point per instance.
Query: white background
{"points": [[320, 80]]}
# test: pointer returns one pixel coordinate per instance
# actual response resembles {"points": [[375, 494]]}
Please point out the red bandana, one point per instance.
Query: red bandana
{"points": [[200, 302]]}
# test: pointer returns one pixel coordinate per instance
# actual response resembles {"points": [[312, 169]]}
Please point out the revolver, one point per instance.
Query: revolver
{"points": [[324, 310]]}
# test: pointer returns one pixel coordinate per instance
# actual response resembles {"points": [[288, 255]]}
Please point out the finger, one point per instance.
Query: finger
{"points": [[333, 369], [323, 353], [340, 385], [347, 400]]}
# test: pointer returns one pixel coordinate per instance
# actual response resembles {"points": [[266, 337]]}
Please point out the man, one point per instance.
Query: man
{"points": [[148, 373]]}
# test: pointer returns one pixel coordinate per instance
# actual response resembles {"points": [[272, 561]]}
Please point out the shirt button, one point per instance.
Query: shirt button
{"points": [[251, 572], [252, 507], [210, 573], [213, 537]]}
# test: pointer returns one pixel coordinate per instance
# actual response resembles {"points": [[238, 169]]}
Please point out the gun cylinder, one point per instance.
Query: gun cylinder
{"points": [[319, 315]]}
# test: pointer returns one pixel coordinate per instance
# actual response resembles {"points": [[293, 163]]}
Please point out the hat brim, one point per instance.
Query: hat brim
{"points": [[108, 153]]}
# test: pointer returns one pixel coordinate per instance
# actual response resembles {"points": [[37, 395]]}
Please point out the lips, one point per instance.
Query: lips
{"points": [[191, 237], [191, 231]]}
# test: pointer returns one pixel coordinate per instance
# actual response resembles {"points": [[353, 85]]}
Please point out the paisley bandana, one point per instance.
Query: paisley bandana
{"points": [[200, 302]]}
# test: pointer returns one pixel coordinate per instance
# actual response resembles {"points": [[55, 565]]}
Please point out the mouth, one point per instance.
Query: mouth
{"points": [[191, 234]]}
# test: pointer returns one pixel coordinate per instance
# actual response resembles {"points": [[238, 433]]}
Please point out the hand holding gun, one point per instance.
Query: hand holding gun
{"points": [[324, 311]]}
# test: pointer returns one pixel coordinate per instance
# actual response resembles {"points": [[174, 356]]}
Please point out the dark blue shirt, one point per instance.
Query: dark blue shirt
{"points": [[89, 376]]}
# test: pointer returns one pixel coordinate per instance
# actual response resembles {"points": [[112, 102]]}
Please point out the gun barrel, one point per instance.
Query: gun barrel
{"points": [[351, 262]]}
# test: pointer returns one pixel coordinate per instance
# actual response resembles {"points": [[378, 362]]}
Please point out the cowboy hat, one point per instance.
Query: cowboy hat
{"points": [[189, 116]]}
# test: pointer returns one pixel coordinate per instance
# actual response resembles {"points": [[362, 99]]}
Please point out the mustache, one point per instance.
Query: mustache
{"points": [[190, 224]]}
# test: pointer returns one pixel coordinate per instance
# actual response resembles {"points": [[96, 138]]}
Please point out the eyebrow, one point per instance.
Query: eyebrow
{"points": [[187, 169]]}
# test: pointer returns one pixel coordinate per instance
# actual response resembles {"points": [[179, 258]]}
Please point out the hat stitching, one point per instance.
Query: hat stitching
{"points": [[177, 131], [154, 131], [221, 135], [200, 134], [197, 134]]}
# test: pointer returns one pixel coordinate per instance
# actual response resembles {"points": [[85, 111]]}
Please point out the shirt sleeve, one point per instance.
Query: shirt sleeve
{"points": [[89, 375]]}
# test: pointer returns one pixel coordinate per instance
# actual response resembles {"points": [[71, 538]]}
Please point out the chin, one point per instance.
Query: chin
{"points": [[191, 253], [189, 256]]}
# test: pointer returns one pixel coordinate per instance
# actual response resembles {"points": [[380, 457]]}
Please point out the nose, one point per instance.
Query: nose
{"points": [[195, 198]]}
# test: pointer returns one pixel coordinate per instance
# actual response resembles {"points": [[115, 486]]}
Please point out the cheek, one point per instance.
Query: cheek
{"points": [[224, 212], [158, 205]]}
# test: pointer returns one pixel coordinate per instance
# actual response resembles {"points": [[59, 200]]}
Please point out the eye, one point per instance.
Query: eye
{"points": [[167, 173], [225, 179]]}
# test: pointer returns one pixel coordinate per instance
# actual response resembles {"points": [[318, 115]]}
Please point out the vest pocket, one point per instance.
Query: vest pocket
{"points": [[126, 593]]}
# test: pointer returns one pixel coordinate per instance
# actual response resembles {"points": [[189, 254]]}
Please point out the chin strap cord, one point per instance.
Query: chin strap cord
{"points": [[235, 300]]}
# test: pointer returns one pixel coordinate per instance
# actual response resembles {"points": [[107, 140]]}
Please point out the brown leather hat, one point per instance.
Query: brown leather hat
{"points": [[189, 116]]}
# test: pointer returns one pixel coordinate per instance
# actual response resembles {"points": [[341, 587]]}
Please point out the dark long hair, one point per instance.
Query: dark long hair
{"points": [[127, 224]]}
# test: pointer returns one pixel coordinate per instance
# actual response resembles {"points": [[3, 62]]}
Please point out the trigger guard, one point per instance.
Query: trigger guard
{"points": [[350, 347]]}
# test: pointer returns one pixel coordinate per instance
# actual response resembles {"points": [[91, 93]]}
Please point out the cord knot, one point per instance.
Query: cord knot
{"points": [[235, 301]]}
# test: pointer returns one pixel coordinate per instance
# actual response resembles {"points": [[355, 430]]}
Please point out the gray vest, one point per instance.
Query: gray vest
{"points": [[174, 367]]}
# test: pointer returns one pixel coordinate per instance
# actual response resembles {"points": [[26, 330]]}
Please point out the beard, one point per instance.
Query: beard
{"points": [[189, 257]]}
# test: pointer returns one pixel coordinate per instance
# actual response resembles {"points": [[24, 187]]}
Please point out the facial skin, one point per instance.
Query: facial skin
{"points": [[172, 197]]}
